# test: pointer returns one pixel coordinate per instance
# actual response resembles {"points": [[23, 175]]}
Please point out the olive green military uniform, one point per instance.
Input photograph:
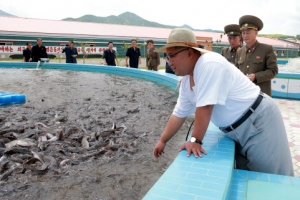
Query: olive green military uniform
{"points": [[153, 59], [259, 59], [229, 53]]}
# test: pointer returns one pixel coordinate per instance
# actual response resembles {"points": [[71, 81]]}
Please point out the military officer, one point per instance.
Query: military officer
{"points": [[152, 59], [256, 60], [234, 38]]}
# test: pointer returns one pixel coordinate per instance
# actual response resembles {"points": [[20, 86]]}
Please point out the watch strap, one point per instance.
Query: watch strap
{"points": [[199, 141]]}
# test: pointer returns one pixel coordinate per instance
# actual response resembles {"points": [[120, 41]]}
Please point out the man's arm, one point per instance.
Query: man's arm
{"points": [[45, 52], [126, 61], [271, 69], [158, 59], [31, 54], [140, 56], [24, 58], [237, 57], [76, 52], [104, 58], [202, 118], [171, 129], [127, 56], [46, 55], [147, 60]]}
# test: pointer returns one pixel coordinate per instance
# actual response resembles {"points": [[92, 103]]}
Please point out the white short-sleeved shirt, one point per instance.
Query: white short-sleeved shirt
{"points": [[218, 83]]}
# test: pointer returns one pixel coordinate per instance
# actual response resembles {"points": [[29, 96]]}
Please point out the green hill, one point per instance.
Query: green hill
{"points": [[2, 13], [128, 18]]}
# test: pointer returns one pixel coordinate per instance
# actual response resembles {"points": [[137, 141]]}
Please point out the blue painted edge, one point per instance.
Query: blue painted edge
{"points": [[63, 65], [241, 178], [213, 172], [282, 62], [288, 75], [162, 78]]}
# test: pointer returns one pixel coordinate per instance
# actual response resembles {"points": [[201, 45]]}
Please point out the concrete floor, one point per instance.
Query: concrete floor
{"points": [[290, 110]]}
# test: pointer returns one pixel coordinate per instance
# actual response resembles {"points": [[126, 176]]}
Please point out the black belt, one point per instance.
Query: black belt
{"points": [[245, 116]]}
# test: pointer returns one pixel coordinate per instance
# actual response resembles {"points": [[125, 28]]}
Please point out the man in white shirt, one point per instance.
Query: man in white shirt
{"points": [[216, 90]]}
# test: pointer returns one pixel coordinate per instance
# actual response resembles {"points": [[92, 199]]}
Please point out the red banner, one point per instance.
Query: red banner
{"points": [[52, 49]]}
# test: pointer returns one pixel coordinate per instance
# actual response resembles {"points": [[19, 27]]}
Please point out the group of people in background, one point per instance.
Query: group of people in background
{"points": [[35, 53], [256, 60], [133, 56]]}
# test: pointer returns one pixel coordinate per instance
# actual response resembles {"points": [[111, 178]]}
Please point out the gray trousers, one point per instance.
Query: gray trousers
{"points": [[261, 141]]}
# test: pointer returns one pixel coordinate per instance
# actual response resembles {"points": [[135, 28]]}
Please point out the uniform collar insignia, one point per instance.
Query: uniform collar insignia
{"points": [[232, 49], [251, 49]]}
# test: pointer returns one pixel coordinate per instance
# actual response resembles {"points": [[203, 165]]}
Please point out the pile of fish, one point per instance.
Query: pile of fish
{"points": [[82, 135], [28, 147]]}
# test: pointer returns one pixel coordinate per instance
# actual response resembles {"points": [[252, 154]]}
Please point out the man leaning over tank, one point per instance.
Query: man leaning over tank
{"points": [[216, 91]]}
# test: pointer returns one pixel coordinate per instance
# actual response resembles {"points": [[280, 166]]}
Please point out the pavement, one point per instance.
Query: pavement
{"points": [[290, 110]]}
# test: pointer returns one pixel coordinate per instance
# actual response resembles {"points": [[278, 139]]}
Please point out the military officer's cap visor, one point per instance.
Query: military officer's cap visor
{"points": [[232, 30], [250, 22]]}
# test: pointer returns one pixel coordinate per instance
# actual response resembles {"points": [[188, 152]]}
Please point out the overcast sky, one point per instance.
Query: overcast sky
{"points": [[278, 16]]}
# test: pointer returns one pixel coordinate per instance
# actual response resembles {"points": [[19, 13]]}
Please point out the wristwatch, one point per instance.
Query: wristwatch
{"points": [[193, 139]]}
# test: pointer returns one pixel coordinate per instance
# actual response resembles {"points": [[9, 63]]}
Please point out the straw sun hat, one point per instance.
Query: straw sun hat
{"points": [[181, 37]]}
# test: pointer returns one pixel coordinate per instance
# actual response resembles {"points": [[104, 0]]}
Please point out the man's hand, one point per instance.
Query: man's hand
{"points": [[30, 59], [194, 148], [140, 61], [159, 149], [126, 64], [171, 129], [252, 77]]}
